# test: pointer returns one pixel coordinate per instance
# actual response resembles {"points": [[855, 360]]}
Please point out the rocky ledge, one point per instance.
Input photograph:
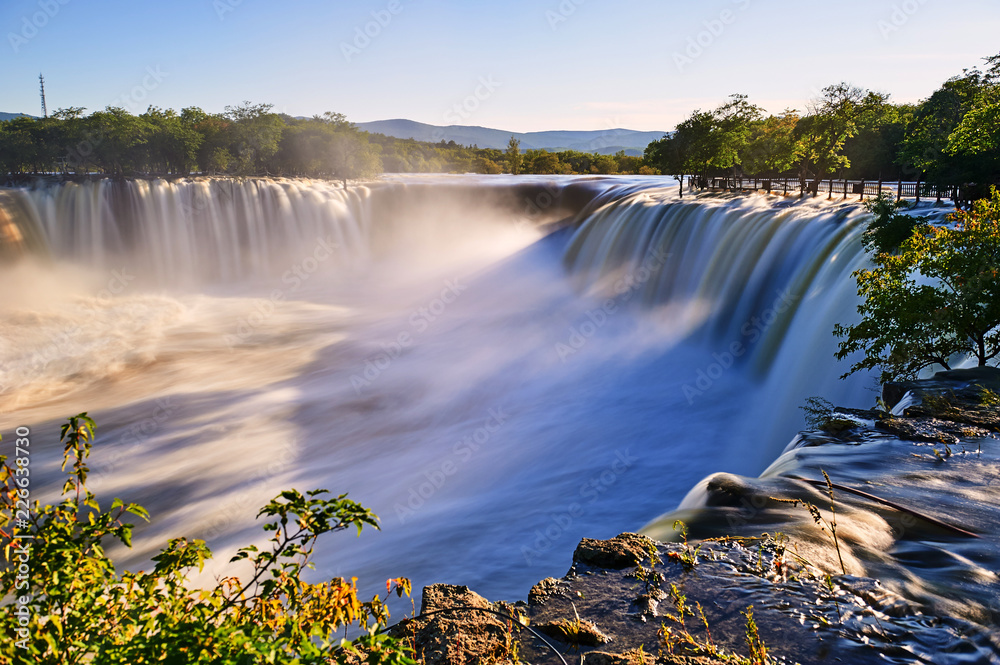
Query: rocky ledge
{"points": [[874, 538]]}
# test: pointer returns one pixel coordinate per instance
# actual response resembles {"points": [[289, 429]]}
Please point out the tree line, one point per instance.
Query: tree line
{"points": [[248, 139], [952, 137], [251, 139]]}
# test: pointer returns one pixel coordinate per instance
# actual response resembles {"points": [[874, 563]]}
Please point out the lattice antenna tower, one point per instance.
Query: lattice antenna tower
{"points": [[41, 85]]}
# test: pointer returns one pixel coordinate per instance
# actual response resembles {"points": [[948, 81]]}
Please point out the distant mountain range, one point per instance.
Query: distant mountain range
{"points": [[605, 142]]}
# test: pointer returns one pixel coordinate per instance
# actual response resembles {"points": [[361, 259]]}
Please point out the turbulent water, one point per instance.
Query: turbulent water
{"points": [[498, 367]]}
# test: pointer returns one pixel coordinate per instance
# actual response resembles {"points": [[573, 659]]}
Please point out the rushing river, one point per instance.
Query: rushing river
{"points": [[496, 366]]}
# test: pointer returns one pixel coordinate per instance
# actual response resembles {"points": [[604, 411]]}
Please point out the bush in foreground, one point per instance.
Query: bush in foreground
{"points": [[67, 604]]}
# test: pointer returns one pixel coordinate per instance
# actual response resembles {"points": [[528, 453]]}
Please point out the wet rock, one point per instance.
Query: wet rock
{"points": [[988, 377], [631, 657], [911, 429], [955, 395], [543, 590], [464, 635], [438, 597], [644, 607], [622, 551], [578, 631]]}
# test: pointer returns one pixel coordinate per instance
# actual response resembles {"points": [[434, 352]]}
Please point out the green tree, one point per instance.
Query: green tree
{"points": [[255, 133], [488, 166], [735, 121], [627, 163], [880, 128], [821, 136], [605, 165], [18, 148], [119, 141], [213, 153], [770, 148], [937, 299], [67, 132], [976, 138], [352, 156], [707, 142], [172, 144], [889, 227], [514, 156], [924, 146]]}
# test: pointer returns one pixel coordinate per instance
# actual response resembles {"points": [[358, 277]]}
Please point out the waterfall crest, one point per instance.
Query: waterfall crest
{"points": [[223, 229], [739, 272]]}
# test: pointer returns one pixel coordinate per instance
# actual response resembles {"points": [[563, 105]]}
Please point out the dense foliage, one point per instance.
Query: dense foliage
{"points": [[933, 301], [66, 603], [250, 139], [953, 137]]}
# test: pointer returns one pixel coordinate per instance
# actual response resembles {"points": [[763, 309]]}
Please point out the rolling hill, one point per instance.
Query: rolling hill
{"points": [[608, 141]]}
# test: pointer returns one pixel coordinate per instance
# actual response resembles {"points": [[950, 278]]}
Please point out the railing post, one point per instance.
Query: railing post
{"points": [[899, 189], [785, 191], [845, 188], [879, 192], [918, 186], [862, 197], [830, 193]]}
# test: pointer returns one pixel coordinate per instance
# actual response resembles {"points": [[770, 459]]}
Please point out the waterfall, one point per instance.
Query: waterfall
{"points": [[733, 269], [202, 230], [199, 230], [759, 282], [629, 342], [21, 231]]}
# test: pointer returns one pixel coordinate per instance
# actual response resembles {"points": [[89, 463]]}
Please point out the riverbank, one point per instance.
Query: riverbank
{"points": [[913, 500]]}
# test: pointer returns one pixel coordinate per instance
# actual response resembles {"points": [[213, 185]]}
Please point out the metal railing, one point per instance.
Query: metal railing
{"points": [[842, 188]]}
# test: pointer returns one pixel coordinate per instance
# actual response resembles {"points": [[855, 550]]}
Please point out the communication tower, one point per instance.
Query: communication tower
{"points": [[41, 84]]}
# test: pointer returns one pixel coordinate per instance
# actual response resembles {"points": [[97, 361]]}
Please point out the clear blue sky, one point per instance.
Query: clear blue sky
{"points": [[555, 64]]}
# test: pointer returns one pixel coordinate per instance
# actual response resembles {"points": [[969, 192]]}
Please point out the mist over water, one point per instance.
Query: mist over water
{"points": [[497, 367]]}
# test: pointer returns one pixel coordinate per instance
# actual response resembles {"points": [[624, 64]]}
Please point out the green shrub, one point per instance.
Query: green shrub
{"points": [[888, 228], [67, 604], [935, 300]]}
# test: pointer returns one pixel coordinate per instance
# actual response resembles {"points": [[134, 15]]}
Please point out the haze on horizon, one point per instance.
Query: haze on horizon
{"points": [[520, 66]]}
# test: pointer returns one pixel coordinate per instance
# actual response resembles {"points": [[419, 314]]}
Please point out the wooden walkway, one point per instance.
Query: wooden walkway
{"points": [[958, 194]]}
